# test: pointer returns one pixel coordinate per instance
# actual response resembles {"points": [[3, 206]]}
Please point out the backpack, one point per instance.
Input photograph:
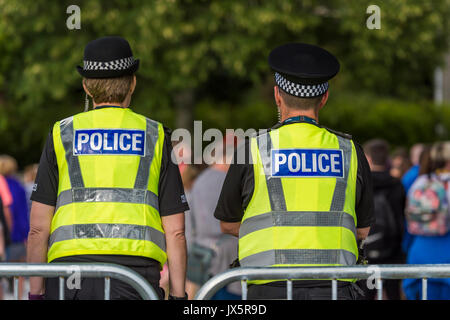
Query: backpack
{"points": [[380, 244], [427, 208]]}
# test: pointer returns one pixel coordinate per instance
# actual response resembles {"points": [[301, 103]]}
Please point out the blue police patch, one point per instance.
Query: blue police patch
{"points": [[109, 141], [307, 163]]}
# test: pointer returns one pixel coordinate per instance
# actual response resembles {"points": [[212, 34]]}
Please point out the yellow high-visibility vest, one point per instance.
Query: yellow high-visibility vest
{"points": [[302, 212], [109, 163]]}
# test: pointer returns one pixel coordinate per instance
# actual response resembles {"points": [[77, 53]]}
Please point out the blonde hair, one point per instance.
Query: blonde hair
{"points": [[109, 89], [8, 165], [440, 151]]}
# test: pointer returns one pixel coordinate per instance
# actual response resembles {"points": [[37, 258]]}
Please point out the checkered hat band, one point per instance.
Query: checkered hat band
{"points": [[300, 90], [119, 64]]}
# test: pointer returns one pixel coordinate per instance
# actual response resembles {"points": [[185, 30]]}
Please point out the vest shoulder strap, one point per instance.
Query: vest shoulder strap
{"points": [[338, 133]]}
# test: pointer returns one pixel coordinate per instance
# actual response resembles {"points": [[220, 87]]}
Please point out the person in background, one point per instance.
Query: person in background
{"points": [[383, 245], [16, 251], [6, 196], [400, 163], [426, 249], [2, 235], [416, 153], [203, 200], [411, 175], [29, 176], [3, 241], [5, 220], [189, 175]]}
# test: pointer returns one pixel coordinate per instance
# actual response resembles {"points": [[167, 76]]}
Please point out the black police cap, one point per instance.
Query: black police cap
{"points": [[108, 57], [303, 70]]}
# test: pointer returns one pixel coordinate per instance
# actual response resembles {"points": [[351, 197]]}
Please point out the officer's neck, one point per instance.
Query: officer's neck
{"points": [[289, 113]]}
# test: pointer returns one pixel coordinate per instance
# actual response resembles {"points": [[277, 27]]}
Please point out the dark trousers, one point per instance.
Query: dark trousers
{"points": [[93, 288], [346, 292]]}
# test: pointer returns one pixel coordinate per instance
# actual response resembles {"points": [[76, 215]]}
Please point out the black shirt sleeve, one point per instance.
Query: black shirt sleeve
{"points": [[171, 192], [364, 191], [46, 184], [238, 186], [237, 189]]}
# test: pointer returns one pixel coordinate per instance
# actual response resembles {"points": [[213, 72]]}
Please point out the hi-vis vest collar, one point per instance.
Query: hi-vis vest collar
{"points": [[78, 193], [279, 216]]}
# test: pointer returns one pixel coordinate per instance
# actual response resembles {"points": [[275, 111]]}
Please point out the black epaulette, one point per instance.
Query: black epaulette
{"points": [[341, 134]]}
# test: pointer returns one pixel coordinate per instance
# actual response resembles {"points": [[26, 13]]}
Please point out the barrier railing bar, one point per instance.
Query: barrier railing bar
{"points": [[87, 270], [417, 271], [424, 289]]}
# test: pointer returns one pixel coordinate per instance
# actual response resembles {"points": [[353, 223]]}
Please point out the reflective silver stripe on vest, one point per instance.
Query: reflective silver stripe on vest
{"points": [[122, 195], [152, 135], [299, 256], [107, 230], [338, 201], [73, 165], [297, 219], [274, 185]]}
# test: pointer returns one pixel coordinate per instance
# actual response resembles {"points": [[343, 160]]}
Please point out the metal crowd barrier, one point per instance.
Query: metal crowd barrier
{"points": [[377, 272], [86, 270]]}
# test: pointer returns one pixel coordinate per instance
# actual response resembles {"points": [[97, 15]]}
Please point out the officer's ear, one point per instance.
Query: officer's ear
{"points": [[324, 100], [85, 89], [277, 95], [133, 84]]}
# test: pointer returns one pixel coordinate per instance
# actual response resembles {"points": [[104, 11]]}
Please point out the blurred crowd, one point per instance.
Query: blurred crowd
{"points": [[402, 180], [15, 192]]}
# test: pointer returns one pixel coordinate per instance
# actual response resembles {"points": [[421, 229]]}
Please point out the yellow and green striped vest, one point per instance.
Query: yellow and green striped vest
{"points": [[300, 221], [108, 203]]}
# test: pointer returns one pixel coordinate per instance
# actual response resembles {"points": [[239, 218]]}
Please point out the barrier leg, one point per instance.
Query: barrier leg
{"points": [[424, 289], [244, 289], [107, 288], [289, 289], [16, 288], [61, 288], [334, 294]]}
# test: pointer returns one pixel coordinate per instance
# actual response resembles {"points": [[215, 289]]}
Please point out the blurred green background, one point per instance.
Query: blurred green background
{"points": [[207, 60]]}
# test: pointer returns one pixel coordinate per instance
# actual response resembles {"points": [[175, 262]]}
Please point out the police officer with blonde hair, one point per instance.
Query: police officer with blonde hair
{"points": [[106, 189], [303, 196]]}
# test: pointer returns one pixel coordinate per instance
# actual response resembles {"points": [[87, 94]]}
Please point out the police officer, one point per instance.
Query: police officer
{"points": [[106, 189], [303, 196]]}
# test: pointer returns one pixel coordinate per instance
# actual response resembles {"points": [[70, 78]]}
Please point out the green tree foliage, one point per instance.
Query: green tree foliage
{"points": [[207, 59]]}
